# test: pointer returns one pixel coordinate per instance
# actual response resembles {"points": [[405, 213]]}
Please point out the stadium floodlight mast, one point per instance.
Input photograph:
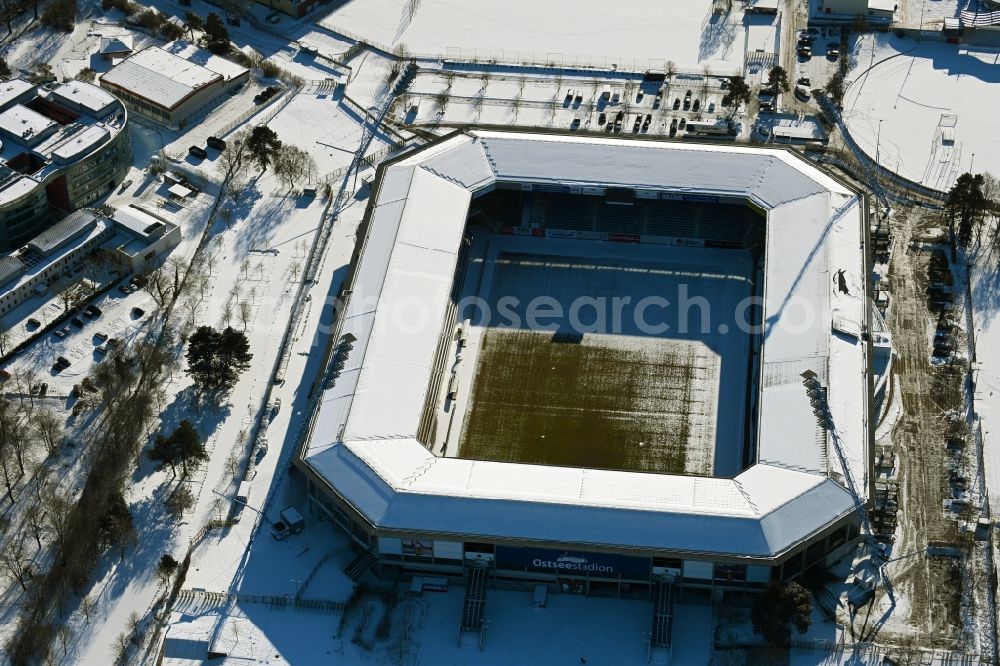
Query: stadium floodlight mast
{"points": [[821, 408]]}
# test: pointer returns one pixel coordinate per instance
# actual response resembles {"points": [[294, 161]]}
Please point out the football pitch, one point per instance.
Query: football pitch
{"points": [[605, 402]]}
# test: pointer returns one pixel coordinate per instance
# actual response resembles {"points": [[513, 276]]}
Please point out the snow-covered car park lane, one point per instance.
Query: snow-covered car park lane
{"points": [[84, 339]]}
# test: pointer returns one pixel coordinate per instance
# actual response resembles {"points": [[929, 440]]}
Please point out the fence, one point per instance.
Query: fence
{"points": [[862, 653], [219, 598], [831, 110], [284, 99]]}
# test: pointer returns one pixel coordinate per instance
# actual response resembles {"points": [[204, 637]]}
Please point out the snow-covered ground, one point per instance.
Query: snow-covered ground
{"points": [[569, 630], [935, 104], [635, 34]]}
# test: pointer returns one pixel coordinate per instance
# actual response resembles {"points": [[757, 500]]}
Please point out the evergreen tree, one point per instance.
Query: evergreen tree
{"points": [[964, 206], [189, 448], [216, 35], [216, 359], [166, 568], [262, 145], [778, 608], [777, 79], [163, 451], [183, 447], [4, 69], [115, 527], [193, 22], [738, 93]]}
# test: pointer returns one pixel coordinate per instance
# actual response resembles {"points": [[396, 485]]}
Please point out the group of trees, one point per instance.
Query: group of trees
{"points": [[60, 15], [11, 9], [966, 208], [98, 518], [147, 18], [217, 358], [262, 148], [216, 35]]}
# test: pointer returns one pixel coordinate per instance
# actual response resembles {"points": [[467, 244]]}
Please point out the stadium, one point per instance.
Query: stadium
{"points": [[579, 361]]}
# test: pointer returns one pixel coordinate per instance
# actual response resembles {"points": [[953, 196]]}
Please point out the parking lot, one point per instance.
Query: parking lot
{"points": [[821, 63], [627, 105], [81, 340]]}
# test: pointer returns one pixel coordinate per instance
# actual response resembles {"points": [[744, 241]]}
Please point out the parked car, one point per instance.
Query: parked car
{"points": [[76, 321], [216, 143], [804, 81], [124, 288], [801, 93], [198, 151], [673, 127], [601, 119], [138, 312], [94, 310], [103, 337], [696, 105], [33, 323], [274, 18], [677, 103], [575, 125], [804, 52], [833, 53]]}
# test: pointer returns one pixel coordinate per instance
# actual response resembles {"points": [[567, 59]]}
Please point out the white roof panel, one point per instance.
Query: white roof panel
{"points": [[159, 76]]}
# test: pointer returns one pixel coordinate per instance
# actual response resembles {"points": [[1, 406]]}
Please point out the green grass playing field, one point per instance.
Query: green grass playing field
{"points": [[608, 402]]}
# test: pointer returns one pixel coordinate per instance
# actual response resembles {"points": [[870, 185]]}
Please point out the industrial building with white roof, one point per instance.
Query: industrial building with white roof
{"points": [[793, 506], [171, 84]]}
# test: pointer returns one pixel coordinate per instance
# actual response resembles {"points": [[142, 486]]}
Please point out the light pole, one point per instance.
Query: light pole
{"points": [[878, 146], [972, 163]]}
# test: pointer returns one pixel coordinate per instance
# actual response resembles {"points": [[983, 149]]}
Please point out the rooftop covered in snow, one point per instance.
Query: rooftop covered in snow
{"points": [[167, 76], [363, 436]]}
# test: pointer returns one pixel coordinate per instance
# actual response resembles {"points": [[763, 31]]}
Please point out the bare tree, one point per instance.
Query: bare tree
{"points": [[34, 521], [57, 508], [234, 166], [163, 284], [292, 165], [49, 429], [246, 309], [15, 564], [72, 292], [65, 634], [87, 606]]}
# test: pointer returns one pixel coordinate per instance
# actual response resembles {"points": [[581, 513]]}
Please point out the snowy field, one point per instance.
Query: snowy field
{"points": [[325, 128], [621, 298], [635, 34], [569, 630], [936, 102]]}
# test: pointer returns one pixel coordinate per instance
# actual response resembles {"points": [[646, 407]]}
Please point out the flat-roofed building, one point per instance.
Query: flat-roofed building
{"points": [[170, 85], [62, 148], [14, 92]]}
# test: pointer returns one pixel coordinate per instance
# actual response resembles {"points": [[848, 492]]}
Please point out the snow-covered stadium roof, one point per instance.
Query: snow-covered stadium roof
{"points": [[363, 437]]}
